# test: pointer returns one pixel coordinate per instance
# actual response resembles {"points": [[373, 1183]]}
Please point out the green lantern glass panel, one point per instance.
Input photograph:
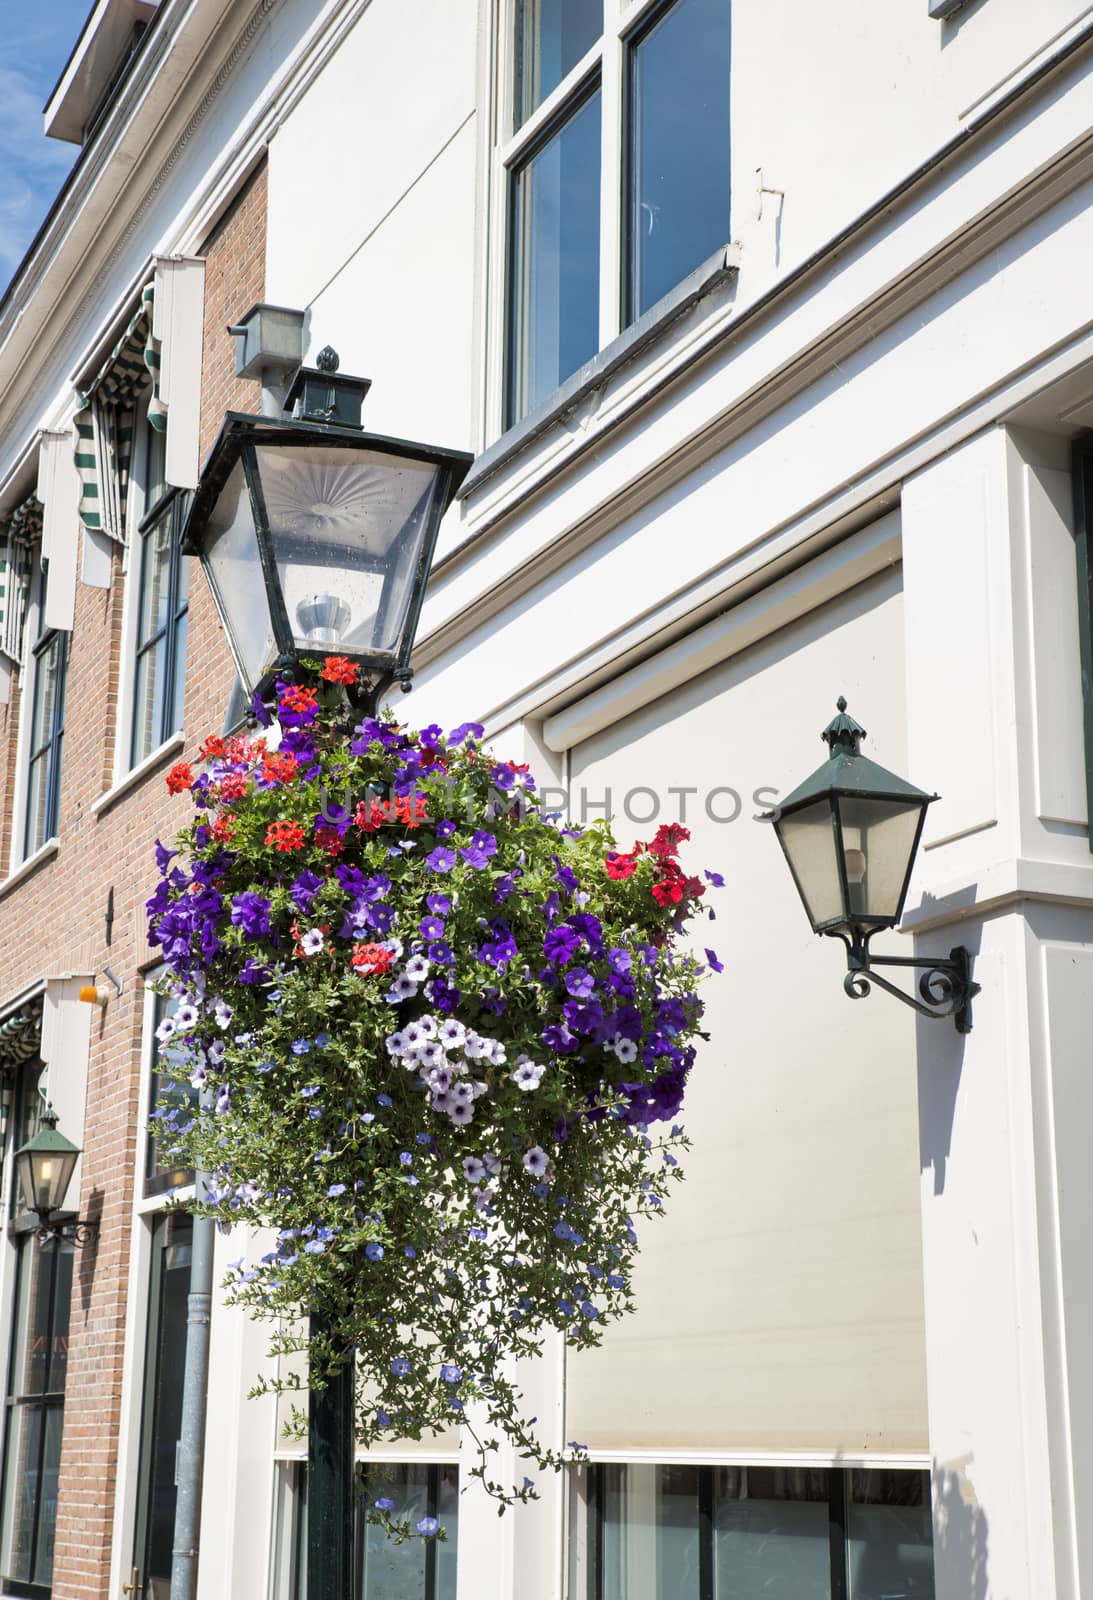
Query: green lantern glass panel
{"points": [[348, 530], [878, 844], [234, 568], [809, 840]]}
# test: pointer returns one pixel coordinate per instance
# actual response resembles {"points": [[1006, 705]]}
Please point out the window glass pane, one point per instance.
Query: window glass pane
{"points": [[40, 1355], [650, 1536], [679, 156], [555, 260], [53, 1428], [772, 1534], [170, 1090], [178, 685], [47, 692], [149, 686], [36, 830], [551, 37], [889, 1535], [23, 1455], [155, 579]]}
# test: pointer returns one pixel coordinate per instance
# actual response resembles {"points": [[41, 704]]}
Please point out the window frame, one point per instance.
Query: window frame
{"points": [[38, 641], [587, 1527], [606, 65], [142, 517], [170, 507]]}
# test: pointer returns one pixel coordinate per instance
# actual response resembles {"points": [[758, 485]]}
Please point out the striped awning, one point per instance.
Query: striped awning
{"points": [[21, 1035], [19, 535], [104, 423]]}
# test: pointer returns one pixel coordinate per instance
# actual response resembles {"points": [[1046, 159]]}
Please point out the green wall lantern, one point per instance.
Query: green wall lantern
{"points": [[44, 1168], [849, 834]]}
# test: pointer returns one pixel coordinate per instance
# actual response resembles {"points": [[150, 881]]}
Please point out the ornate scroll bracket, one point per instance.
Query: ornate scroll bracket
{"points": [[945, 987]]}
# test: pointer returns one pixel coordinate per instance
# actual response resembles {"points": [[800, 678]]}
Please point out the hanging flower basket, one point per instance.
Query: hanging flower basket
{"points": [[429, 1038]]}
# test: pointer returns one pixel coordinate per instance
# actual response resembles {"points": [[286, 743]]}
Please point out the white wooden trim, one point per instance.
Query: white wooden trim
{"points": [[908, 1461], [178, 322], [137, 774], [59, 492]]}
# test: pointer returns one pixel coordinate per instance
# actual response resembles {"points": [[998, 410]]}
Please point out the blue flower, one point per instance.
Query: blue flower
{"points": [[400, 1366], [384, 1503], [427, 1527], [383, 1418], [410, 1252], [405, 1158], [315, 1247], [335, 1190], [384, 1100], [374, 1252], [423, 1138], [300, 1047], [321, 1041], [312, 1088], [451, 1373]]}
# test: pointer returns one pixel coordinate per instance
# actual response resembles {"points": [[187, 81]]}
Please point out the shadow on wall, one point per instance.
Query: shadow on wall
{"points": [[960, 1535], [940, 1055]]}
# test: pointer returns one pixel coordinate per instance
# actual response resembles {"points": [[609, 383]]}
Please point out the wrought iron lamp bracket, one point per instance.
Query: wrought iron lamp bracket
{"points": [[946, 987], [68, 1230]]}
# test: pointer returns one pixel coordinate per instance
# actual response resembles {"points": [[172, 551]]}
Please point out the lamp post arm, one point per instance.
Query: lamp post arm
{"points": [[946, 986]]}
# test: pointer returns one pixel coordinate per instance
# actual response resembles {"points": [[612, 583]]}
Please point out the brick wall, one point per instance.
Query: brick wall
{"points": [[54, 921]]}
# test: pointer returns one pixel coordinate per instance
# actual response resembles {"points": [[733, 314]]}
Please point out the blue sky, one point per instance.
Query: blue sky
{"points": [[35, 42]]}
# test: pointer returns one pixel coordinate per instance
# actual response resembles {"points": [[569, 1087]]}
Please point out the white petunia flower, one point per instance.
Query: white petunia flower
{"points": [[223, 1014], [165, 1030], [625, 1049], [461, 1112], [312, 942], [396, 1043], [536, 1161], [416, 968], [215, 1052], [452, 1034], [473, 1170], [527, 1075], [186, 1017]]}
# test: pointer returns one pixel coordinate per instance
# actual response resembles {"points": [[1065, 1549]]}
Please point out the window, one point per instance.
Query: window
{"points": [[755, 1533], [161, 573], [48, 664], [419, 1569], [616, 172], [169, 1099], [36, 1386]]}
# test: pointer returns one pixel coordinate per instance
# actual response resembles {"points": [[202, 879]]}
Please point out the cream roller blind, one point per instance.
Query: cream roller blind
{"points": [[780, 1299]]}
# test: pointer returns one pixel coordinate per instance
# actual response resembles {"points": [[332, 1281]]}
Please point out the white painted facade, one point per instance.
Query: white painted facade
{"points": [[845, 468]]}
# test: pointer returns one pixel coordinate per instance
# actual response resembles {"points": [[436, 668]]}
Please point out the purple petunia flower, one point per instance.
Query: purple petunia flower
{"points": [[580, 983], [304, 890], [441, 859], [717, 966], [466, 730], [716, 879], [431, 927], [560, 943], [251, 913], [438, 904]]}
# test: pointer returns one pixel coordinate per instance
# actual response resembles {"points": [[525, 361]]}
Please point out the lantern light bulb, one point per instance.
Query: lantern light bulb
{"points": [[323, 618], [855, 865]]}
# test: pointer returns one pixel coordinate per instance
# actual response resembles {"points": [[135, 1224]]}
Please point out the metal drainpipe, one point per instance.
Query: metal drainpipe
{"points": [[191, 1444]]}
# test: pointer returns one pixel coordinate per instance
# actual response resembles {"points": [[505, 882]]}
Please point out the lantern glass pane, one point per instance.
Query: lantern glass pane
{"points": [[348, 528], [878, 841], [44, 1177], [230, 557], [808, 839]]}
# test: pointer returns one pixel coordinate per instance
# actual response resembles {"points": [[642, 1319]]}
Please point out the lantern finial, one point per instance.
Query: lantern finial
{"points": [[328, 360], [843, 735]]}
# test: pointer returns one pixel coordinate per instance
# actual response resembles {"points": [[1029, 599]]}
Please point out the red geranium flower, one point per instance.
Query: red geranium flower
{"points": [[339, 669], [180, 777], [298, 697], [233, 786], [213, 746], [279, 767], [285, 836], [372, 958], [223, 829], [330, 839]]}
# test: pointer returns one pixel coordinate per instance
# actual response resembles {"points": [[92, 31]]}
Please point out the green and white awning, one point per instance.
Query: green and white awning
{"points": [[19, 535], [104, 423], [21, 1035]]}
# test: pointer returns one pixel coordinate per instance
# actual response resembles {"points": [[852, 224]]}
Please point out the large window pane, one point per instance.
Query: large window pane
{"points": [[650, 1533], [555, 260], [772, 1537], [679, 154], [165, 1362], [46, 743], [890, 1536], [551, 37]]}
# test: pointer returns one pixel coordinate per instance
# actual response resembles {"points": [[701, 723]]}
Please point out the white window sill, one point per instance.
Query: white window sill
{"points": [[24, 870], [136, 776]]}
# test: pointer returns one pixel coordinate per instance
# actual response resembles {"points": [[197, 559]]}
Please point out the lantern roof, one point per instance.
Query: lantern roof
{"points": [[848, 772]]}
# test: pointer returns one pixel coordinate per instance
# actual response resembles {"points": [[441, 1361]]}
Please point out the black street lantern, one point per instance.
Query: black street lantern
{"points": [[317, 537], [850, 833], [44, 1168]]}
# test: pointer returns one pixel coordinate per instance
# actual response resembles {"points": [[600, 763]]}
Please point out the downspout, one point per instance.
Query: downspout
{"points": [[191, 1444]]}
